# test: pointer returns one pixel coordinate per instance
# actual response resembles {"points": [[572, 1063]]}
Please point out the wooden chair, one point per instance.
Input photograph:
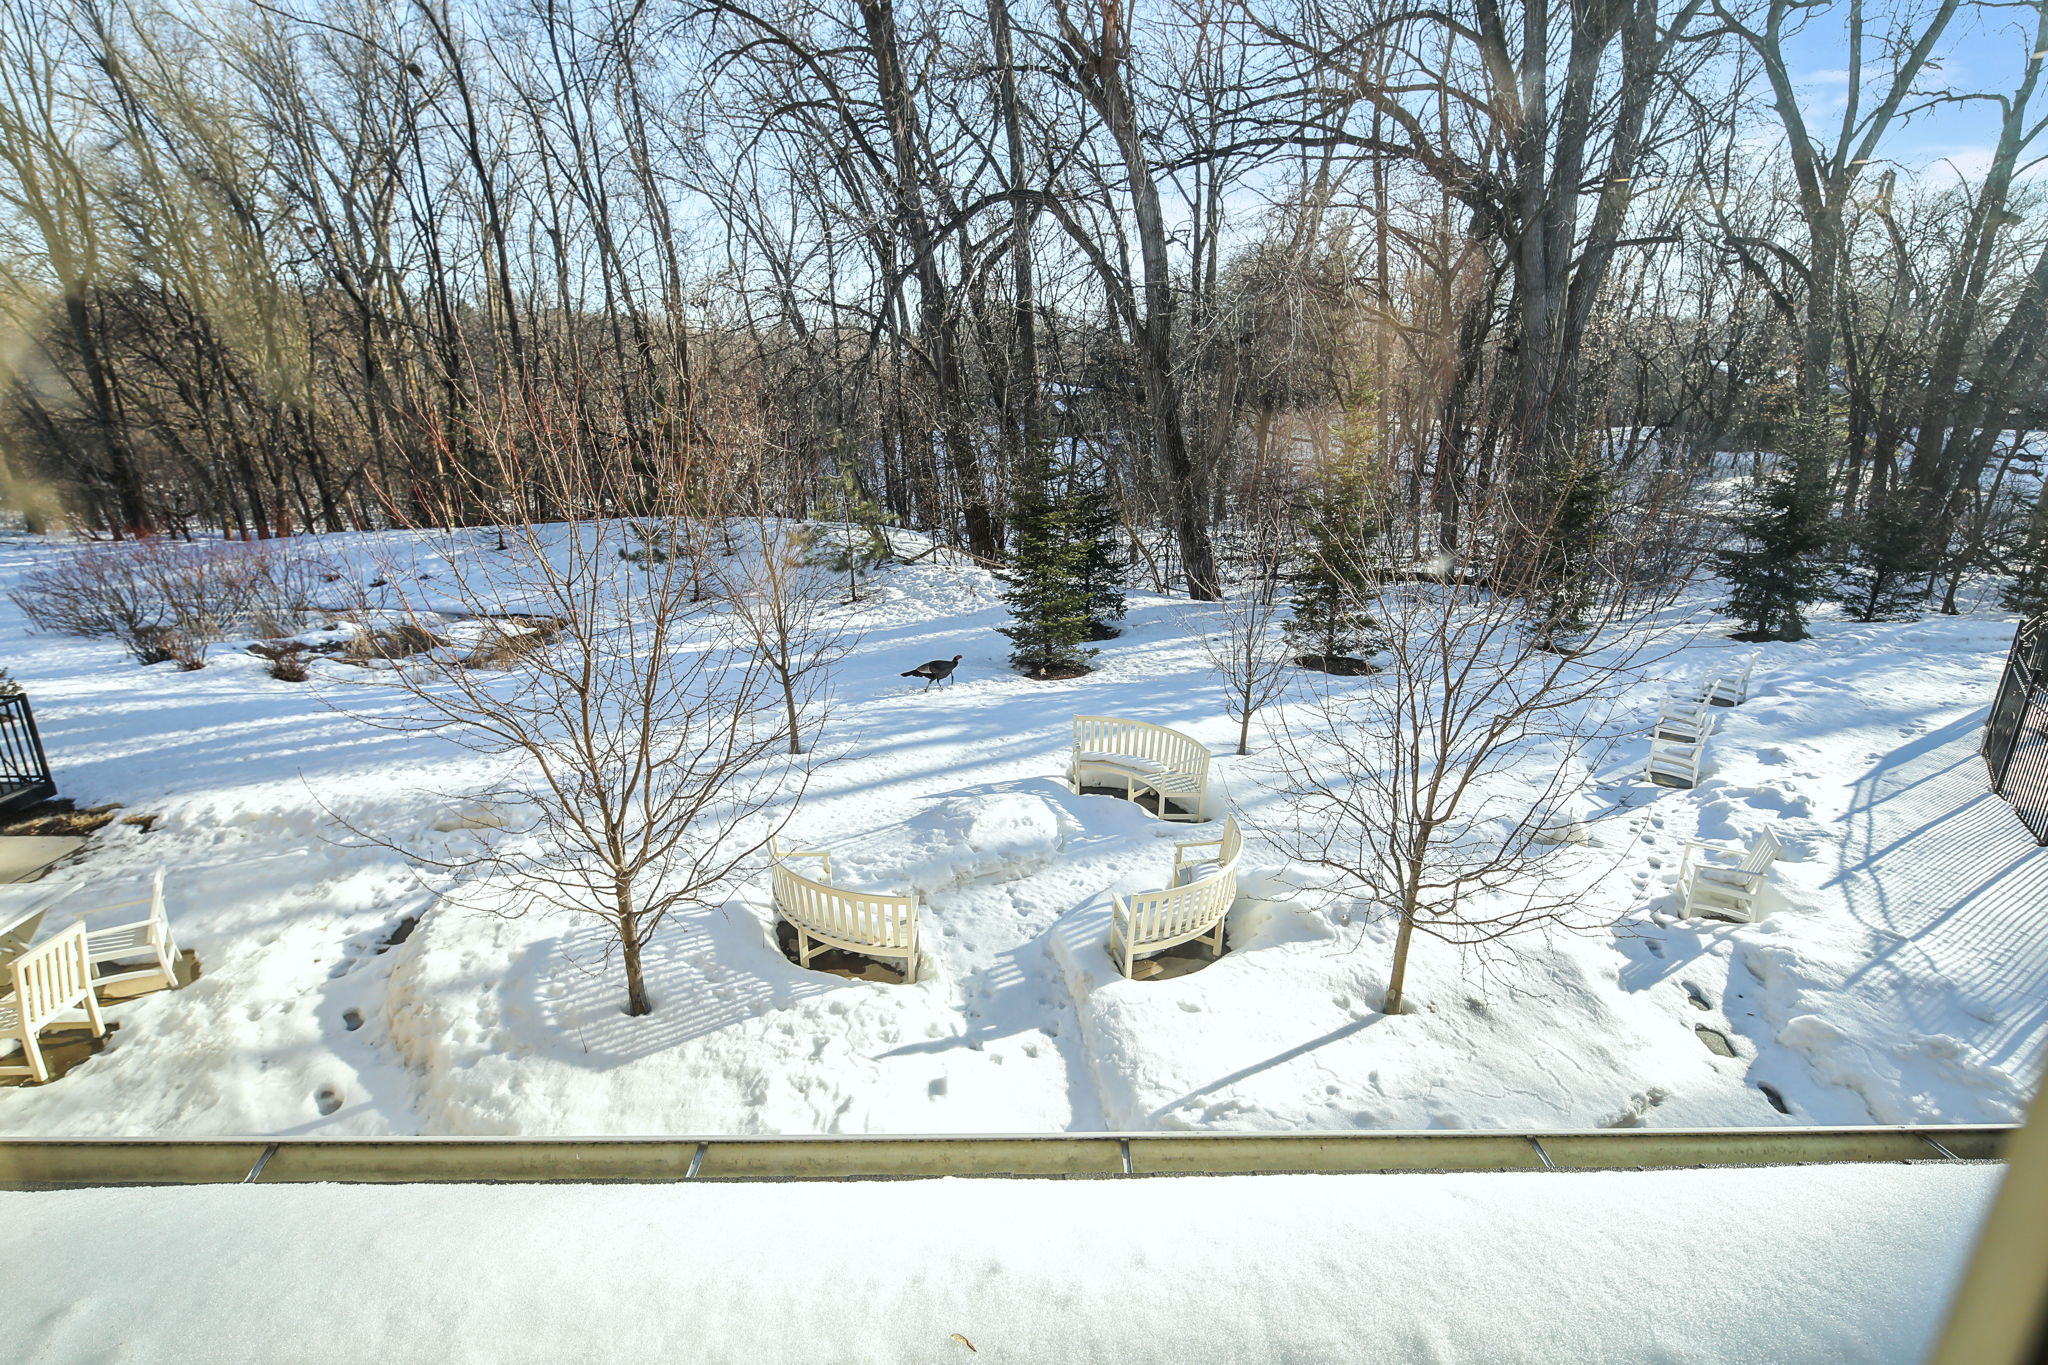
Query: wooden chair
{"points": [[49, 981], [1678, 742], [1686, 720], [1721, 880], [146, 938], [1730, 689], [1145, 757], [1674, 763], [825, 916], [1186, 911]]}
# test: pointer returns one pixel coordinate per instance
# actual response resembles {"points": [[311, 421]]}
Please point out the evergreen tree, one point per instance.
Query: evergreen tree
{"points": [[1045, 589], [1887, 557], [1331, 579], [1782, 565], [1103, 563], [2027, 594], [653, 544]]}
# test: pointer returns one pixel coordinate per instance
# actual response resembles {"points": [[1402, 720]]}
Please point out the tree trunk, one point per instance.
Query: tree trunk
{"points": [[637, 1003], [1186, 482], [938, 329], [789, 709], [1400, 972]]}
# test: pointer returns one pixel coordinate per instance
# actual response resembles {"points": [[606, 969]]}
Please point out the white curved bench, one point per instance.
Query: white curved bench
{"points": [[1192, 908], [48, 982], [856, 921], [1146, 757]]}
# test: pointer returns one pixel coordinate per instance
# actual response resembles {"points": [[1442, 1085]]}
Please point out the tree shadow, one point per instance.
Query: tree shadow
{"points": [[709, 970], [1337, 1034]]}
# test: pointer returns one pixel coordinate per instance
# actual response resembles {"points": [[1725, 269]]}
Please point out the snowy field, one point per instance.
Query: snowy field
{"points": [[1740, 1267], [1897, 975]]}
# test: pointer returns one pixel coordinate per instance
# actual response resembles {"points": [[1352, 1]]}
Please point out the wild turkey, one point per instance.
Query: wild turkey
{"points": [[937, 671]]}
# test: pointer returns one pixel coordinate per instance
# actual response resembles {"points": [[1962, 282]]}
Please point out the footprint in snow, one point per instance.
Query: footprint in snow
{"points": [[327, 1099]]}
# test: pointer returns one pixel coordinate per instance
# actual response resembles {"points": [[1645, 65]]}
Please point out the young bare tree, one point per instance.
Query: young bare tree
{"points": [[642, 745], [1244, 638], [1435, 789], [786, 612]]}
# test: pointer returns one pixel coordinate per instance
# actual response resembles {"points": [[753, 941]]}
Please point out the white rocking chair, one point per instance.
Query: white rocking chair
{"points": [[1724, 881]]}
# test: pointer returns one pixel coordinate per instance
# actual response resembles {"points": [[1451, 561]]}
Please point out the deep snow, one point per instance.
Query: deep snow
{"points": [[1798, 1264], [1898, 974]]}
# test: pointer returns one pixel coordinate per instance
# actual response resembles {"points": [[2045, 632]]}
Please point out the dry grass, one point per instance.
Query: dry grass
{"points": [[63, 817], [509, 648], [394, 642], [287, 659]]}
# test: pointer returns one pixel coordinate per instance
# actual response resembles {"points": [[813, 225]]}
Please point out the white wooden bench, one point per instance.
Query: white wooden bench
{"points": [[1145, 758], [826, 916], [1192, 908], [48, 982], [1718, 879]]}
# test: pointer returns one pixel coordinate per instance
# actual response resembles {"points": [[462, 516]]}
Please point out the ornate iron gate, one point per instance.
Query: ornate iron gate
{"points": [[2016, 737]]}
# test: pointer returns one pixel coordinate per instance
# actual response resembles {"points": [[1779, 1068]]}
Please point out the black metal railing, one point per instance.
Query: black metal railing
{"points": [[24, 769], [2016, 737]]}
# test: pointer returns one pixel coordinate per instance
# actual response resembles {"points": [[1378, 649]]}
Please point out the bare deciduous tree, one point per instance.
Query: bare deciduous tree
{"points": [[1436, 789], [786, 612], [1244, 638], [642, 745]]}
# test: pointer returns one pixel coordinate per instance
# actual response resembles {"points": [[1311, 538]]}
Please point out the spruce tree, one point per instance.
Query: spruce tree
{"points": [[1782, 564], [1045, 589], [1331, 579], [2027, 594], [1104, 561], [1887, 557]]}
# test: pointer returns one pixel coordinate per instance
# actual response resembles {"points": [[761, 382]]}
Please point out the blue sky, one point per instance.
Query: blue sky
{"points": [[1986, 48]]}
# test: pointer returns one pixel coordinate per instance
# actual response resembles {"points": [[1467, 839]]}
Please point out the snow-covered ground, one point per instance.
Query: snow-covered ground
{"points": [[1766, 1266], [1899, 972]]}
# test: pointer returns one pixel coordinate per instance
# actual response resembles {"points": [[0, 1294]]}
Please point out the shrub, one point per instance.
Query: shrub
{"points": [[395, 642], [512, 642], [187, 651], [166, 599], [287, 659], [92, 591]]}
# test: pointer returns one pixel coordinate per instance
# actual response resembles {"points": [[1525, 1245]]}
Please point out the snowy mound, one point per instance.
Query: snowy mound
{"points": [[1000, 833]]}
